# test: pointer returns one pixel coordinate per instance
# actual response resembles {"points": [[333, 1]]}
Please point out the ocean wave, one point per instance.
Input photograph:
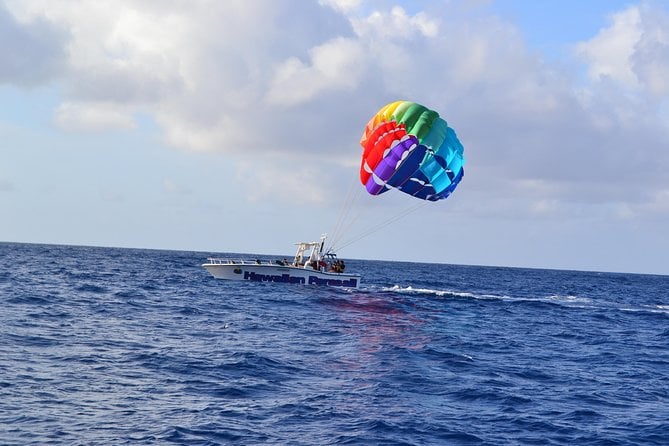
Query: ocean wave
{"points": [[653, 309], [563, 300], [440, 293], [553, 298], [123, 352]]}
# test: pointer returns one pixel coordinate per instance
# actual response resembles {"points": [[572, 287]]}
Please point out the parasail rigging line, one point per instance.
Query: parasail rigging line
{"points": [[375, 228], [351, 197]]}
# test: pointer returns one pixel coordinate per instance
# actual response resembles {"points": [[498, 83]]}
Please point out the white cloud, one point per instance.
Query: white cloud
{"points": [[345, 6], [659, 202], [286, 79], [650, 60], [222, 134], [608, 53], [335, 65], [395, 25], [93, 116], [32, 50], [633, 50], [271, 179]]}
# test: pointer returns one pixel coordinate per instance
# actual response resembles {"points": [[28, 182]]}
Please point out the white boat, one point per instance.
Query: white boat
{"points": [[310, 267]]}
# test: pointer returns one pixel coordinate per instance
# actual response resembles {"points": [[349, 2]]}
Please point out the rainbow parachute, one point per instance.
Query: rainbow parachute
{"points": [[407, 146]]}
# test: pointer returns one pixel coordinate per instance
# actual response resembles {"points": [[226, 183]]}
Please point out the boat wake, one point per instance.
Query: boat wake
{"points": [[567, 300], [427, 291]]}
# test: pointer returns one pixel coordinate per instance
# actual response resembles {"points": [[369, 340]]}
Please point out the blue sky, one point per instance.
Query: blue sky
{"points": [[234, 126]]}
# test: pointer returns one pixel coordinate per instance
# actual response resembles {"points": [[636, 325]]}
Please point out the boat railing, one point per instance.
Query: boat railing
{"points": [[222, 261]]}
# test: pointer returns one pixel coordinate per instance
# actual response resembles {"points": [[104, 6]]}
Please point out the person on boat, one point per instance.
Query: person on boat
{"points": [[338, 266]]}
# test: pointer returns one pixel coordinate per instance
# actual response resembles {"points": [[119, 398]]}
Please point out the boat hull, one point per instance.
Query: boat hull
{"points": [[280, 274]]}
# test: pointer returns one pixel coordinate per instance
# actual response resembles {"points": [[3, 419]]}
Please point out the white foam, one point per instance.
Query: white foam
{"points": [[440, 293], [568, 300]]}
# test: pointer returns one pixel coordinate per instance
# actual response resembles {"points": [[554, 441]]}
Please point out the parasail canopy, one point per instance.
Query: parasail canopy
{"points": [[408, 147]]}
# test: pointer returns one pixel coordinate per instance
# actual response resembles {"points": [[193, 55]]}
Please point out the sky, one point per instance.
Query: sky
{"points": [[234, 127]]}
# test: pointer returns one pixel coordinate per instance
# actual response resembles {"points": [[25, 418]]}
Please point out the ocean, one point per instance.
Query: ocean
{"points": [[106, 346]]}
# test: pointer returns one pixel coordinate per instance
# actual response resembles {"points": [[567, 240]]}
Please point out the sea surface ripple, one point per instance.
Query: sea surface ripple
{"points": [[103, 346]]}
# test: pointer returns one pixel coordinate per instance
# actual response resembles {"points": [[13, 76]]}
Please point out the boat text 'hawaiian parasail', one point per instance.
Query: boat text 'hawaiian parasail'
{"points": [[407, 146]]}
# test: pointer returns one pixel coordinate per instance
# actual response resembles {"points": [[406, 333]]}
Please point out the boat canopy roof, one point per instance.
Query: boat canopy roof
{"points": [[309, 251]]}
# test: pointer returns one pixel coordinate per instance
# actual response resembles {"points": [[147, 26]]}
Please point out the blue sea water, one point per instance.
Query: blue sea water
{"points": [[120, 346]]}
